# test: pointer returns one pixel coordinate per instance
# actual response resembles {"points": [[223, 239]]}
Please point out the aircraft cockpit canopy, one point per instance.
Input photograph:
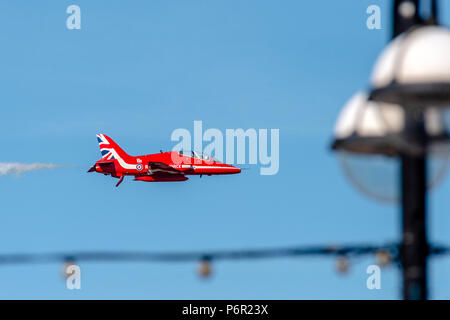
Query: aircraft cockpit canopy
{"points": [[195, 154]]}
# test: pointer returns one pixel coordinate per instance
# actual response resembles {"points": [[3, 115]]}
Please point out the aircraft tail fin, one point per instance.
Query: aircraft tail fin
{"points": [[109, 149]]}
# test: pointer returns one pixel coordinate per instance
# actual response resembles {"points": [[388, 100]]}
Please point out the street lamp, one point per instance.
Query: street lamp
{"points": [[402, 117], [414, 72]]}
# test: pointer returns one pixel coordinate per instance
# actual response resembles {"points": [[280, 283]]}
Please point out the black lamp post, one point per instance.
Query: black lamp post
{"points": [[415, 248]]}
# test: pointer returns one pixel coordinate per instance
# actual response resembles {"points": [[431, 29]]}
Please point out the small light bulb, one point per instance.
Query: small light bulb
{"points": [[383, 258], [342, 265], [204, 268], [67, 263]]}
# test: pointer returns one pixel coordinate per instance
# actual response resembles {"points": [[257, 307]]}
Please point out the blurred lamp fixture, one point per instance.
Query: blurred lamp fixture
{"points": [[369, 127], [363, 128], [369, 136], [414, 69]]}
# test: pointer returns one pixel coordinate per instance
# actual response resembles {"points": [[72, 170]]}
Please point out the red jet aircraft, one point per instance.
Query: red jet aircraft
{"points": [[158, 167]]}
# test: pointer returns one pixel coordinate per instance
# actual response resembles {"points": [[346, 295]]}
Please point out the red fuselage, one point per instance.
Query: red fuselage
{"points": [[139, 166]]}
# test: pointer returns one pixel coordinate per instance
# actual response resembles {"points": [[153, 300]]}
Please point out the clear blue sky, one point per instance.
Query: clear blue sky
{"points": [[138, 70]]}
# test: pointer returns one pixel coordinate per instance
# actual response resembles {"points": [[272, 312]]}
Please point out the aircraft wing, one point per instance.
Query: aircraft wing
{"points": [[160, 167]]}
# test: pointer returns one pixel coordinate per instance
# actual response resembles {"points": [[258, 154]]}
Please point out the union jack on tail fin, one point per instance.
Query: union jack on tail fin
{"points": [[109, 149]]}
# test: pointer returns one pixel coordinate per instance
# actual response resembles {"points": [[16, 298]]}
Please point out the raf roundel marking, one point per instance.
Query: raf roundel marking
{"points": [[139, 167]]}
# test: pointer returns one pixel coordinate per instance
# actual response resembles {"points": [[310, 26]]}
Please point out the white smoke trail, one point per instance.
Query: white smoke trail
{"points": [[18, 168]]}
